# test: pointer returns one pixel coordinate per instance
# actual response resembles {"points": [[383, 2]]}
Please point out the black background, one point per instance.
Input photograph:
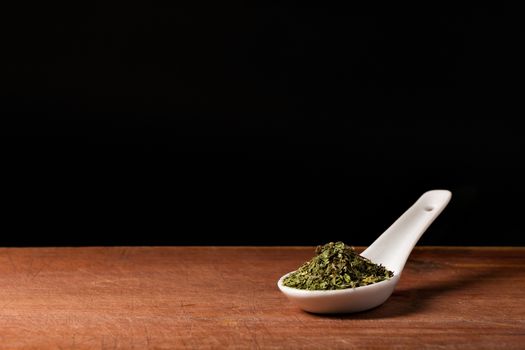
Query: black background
{"points": [[270, 125]]}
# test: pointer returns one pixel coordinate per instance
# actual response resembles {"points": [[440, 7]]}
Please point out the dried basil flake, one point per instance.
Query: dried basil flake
{"points": [[336, 266]]}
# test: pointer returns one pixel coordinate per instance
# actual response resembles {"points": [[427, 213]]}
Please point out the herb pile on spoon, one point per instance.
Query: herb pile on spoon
{"points": [[336, 266]]}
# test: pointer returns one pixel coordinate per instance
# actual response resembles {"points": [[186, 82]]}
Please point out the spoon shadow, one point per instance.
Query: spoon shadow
{"points": [[405, 301]]}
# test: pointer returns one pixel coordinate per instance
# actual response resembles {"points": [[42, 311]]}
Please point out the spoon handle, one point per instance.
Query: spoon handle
{"points": [[393, 247]]}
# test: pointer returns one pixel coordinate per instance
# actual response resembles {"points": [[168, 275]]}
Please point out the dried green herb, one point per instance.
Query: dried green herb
{"points": [[336, 266]]}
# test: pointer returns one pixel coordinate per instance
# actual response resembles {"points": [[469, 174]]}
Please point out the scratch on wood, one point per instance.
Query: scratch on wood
{"points": [[148, 336], [38, 271], [187, 318], [3, 307], [11, 262], [252, 334]]}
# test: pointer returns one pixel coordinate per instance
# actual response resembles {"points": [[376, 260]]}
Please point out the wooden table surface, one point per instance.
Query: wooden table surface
{"points": [[226, 297]]}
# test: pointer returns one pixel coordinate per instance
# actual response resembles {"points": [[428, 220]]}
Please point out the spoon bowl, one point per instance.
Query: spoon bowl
{"points": [[391, 250], [341, 300]]}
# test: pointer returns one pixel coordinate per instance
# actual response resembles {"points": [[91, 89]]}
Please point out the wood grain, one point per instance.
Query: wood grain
{"points": [[226, 297]]}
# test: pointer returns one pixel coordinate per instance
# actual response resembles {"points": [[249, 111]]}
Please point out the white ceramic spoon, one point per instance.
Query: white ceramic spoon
{"points": [[391, 250]]}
